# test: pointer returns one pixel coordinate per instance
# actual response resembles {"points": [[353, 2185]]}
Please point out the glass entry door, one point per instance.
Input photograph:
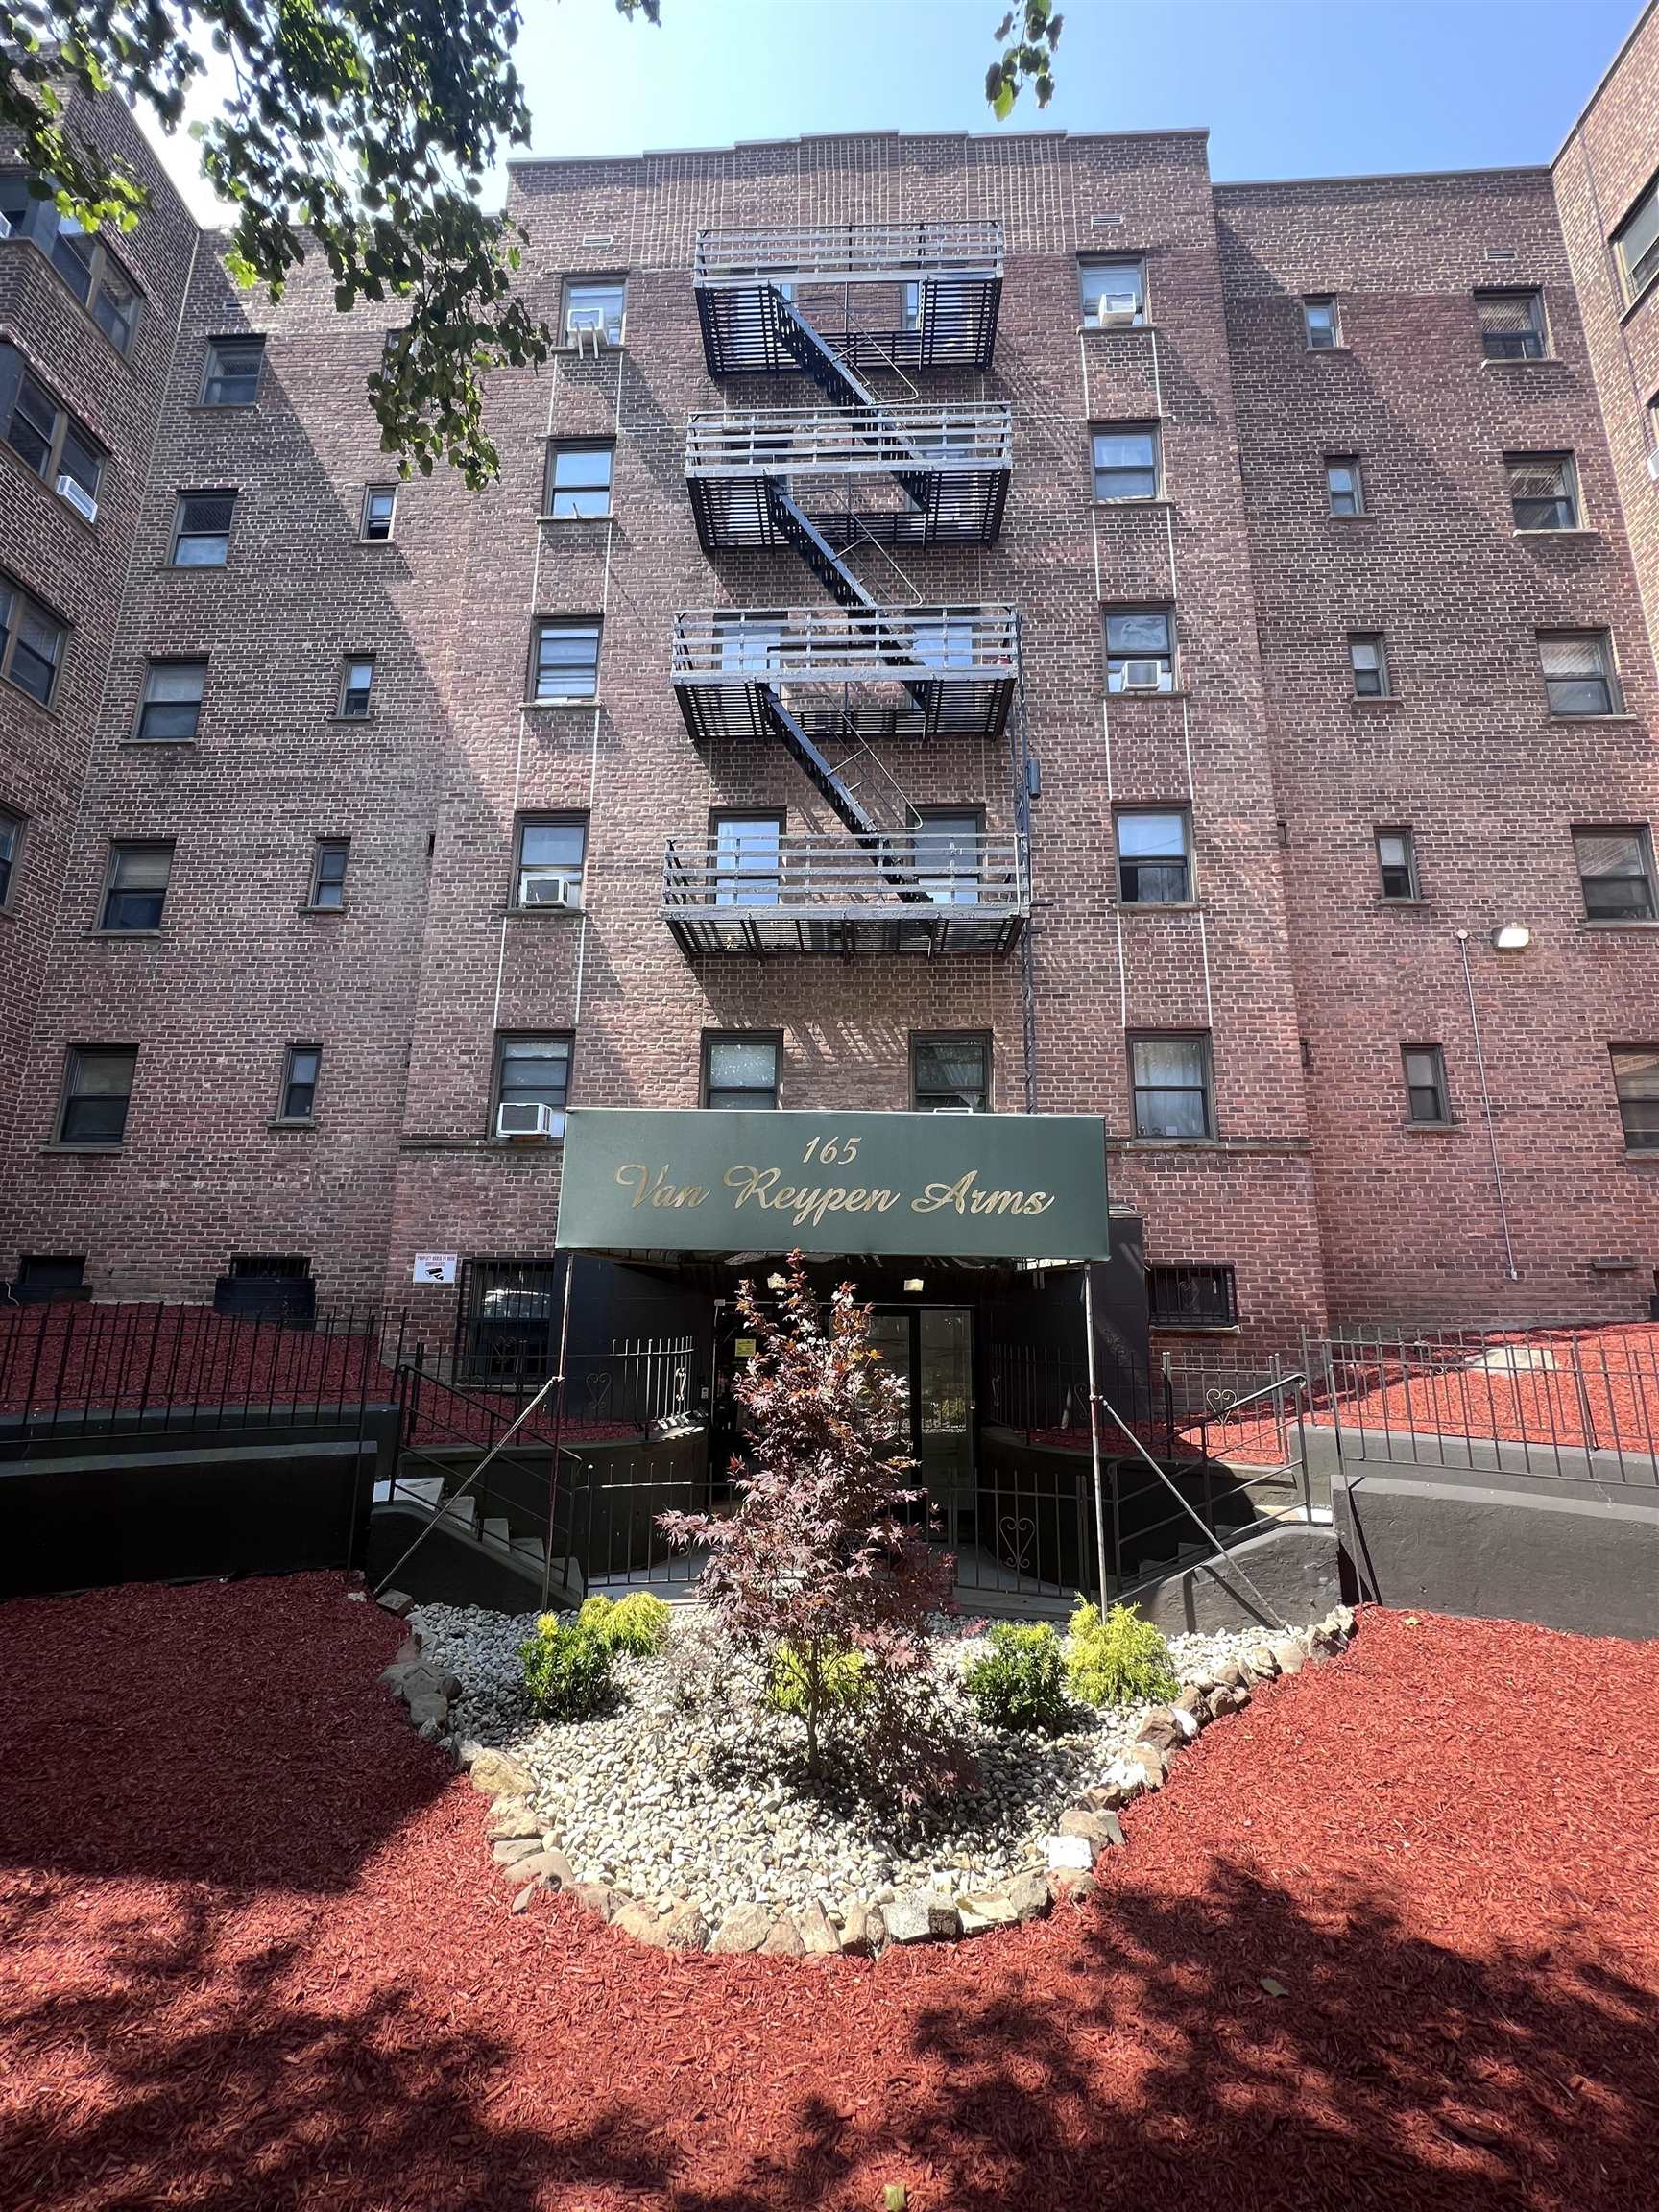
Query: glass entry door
{"points": [[932, 1348]]}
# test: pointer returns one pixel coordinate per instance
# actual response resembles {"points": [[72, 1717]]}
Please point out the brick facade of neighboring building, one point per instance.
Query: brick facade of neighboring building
{"points": [[1315, 1187]]}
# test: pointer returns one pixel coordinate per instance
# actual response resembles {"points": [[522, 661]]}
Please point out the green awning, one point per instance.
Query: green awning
{"points": [[971, 1186]]}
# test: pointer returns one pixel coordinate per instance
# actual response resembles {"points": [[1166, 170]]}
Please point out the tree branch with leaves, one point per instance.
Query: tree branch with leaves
{"points": [[364, 127]]}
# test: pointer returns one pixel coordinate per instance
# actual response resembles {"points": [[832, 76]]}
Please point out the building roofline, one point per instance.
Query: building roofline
{"points": [[1380, 177], [842, 137], [1602, 82]]}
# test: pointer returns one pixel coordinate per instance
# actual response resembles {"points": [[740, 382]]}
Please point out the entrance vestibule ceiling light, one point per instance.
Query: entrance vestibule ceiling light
{"points": [[913, 1285]]}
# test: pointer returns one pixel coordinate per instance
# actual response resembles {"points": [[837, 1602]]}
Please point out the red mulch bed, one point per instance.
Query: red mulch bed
{"points": [[250, 1956]]}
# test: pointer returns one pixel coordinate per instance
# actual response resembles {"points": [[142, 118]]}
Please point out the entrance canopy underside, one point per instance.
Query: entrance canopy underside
{"points": [[1025, 1187]]}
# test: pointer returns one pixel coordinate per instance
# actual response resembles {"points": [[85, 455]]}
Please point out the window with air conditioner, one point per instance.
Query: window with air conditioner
{"points": [[951, 1072], [170, 709], [740, 1071], [596, 312], [32, 643], [552, 855], [1112, 292], [46, 438], [532, 1085], [1139, 649], [84, 261]]}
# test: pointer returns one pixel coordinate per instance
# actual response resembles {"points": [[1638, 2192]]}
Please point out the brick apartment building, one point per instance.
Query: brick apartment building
{"points": [[1265, 586]]}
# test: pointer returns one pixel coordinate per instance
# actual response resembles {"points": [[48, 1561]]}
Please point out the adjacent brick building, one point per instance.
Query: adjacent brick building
{"points": [[1332, 533]]}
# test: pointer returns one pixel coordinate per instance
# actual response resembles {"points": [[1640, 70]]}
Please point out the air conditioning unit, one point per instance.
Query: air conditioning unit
{"points": [[1142, 675], [529, 1125], [1654, 464], [591, 330], [78, 497], [1113, 310], [548, 889]]}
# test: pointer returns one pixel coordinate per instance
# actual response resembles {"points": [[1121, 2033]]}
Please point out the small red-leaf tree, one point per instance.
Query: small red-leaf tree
{"points": [[822, 1571]]}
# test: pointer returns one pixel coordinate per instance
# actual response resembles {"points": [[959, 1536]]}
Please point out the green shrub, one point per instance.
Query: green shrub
{"points": [[845, 1679], [637, 1623], [1120, 1660], [567, 1670], [1019, 1679]]}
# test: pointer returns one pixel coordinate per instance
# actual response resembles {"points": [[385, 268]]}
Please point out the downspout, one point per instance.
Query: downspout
{"points": [[1513, 1272]]}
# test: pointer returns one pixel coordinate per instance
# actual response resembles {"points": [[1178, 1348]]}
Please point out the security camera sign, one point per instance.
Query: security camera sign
{"points": [[436, 1266]]}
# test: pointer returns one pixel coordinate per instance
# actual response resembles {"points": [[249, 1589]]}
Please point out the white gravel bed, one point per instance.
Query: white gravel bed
{"points": [[665, 1800]]}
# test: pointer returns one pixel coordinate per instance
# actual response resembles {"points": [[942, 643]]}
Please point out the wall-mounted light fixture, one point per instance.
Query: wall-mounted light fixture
{"points": [[913, 1285], [1511, 937]]}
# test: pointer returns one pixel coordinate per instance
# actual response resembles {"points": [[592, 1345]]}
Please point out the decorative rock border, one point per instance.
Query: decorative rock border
{"points": [[530, 1857]]}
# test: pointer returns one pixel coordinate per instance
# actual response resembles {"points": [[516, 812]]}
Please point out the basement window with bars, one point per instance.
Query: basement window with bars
{"points": [[202, 529], [1636, 1085], [1616, 872], [271, 1266], [1543, 490], [136, 886], [1578, 672], [1184, 1294], [1511, 324], [740, 1071]]}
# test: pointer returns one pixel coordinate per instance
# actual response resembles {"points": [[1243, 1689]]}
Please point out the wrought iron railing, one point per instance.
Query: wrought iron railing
{"points": [[899, 644], [846, 441], [838, 874], [849, 252]]}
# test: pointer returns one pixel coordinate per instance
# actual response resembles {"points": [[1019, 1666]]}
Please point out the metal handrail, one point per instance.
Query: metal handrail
{"points": [[807, 873], [779, 441], [837, 644], [846, 252]]}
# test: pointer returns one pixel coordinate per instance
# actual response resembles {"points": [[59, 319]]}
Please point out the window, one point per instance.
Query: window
{"points": [[356, 686], [43, 1276], [552, 852], [10, 847], [1170, 1078], [567, 662], [1126, 462], [1425, 1068], [97, 1091], [379, 511], [85, 263], [595, 310], [1616, 870], [46, 438], [532, 1072], [1579, 673], [1636, 244], [171, 708], [231, 373], [1187, 1296], [740, 1071], [746, 858], [1139, 650], [1543, 490], [328, 860], [951, 1074], [202, 529], [1636, 1084], [578, 486], [1397, 863], [1154, 857], [1344, 487], [910, 307], [1511, 324], [1113, 293], [136, 886], [1319, 325], [301, 1071], [31, 643], [750, 642], [1368, 658], [945, 843]]}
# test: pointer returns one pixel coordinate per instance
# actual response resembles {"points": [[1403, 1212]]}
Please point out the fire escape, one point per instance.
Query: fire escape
{"points": [[856, 471]]}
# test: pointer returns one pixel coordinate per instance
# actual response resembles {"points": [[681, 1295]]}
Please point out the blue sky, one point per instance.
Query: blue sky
{"points": [[1287, 87]]}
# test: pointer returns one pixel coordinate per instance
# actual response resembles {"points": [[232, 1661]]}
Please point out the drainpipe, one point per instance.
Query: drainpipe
{"points": [[1511, 1270]]}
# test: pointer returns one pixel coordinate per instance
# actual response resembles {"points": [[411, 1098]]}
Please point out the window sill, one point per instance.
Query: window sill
{"points": [[153, 744], [1373, 699], [1145, 698], [1523, 361], [1594, 921], [588, 353], [277, 1121], [566, 520], [1158, 905], [1452, 1128], [221, 406], [1646, 1157], [1196, 1328], [542, 913], [1575, 532], [326, 913], [87, 1151], [1553, 718], [552, 706], [370, 716], [1367, 517], [1115, 506], [1307, 349], [528, 1148], [1385, 904], [1113, 330], [121, 933]]}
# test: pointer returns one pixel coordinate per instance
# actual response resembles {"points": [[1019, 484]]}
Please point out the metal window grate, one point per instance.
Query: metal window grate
{"points": [[1191, 1295]]}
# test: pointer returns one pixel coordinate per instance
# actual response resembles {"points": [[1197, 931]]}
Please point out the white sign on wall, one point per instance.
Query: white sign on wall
{"points": [[436, 1266]]}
